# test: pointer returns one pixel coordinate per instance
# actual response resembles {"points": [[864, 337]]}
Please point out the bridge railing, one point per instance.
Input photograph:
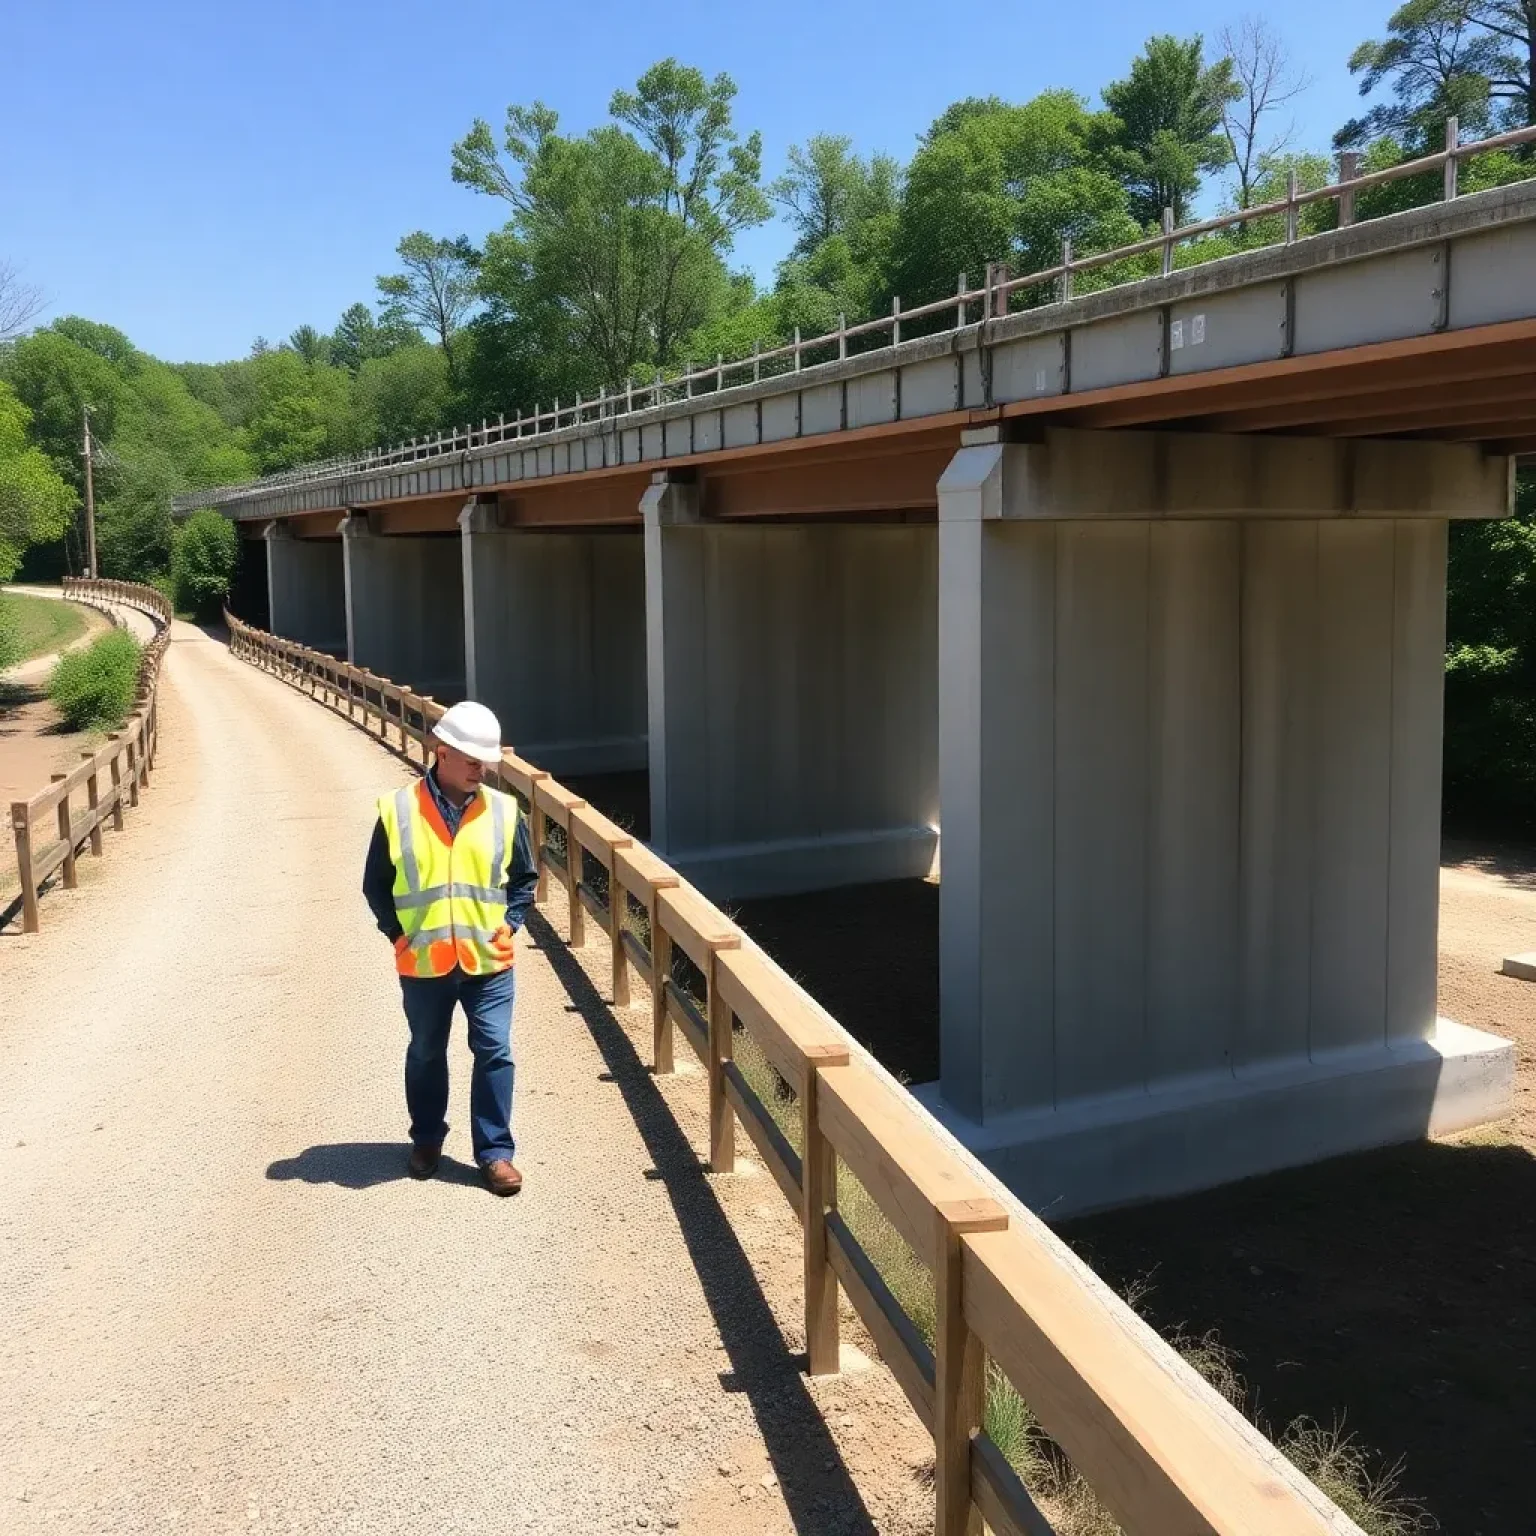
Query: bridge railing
{"points": [[862, 1164], [970, 306], [110, 778]]}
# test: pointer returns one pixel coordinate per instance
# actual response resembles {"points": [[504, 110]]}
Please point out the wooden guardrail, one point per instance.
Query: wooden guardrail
{"points": [[1163, 1452], [110, 778]]}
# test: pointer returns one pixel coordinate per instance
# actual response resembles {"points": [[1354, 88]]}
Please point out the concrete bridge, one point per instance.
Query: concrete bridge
{"points": [[1139, 595]]}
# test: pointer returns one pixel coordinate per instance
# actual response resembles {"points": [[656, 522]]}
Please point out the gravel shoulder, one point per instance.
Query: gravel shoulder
{"points": [[226, 1307]]}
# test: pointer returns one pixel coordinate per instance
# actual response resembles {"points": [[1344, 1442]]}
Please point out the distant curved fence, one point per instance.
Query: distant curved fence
{"points": [[122, 766], [868, 1171]]}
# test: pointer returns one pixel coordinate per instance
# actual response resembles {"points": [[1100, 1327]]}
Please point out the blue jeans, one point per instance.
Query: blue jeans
{"points": [[487, 1002]]}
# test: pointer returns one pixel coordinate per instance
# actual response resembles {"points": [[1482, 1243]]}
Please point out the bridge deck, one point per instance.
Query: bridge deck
{"points": [[222, 1296]]}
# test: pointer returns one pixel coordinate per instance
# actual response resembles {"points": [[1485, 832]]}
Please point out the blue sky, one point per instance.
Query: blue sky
{"points": [[202, 174]]}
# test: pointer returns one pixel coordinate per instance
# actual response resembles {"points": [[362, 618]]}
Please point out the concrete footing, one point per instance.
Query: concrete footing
{"points": [[1195, 1132]]}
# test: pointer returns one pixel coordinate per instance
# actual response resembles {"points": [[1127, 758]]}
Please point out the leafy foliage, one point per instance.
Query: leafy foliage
{"points": [[35, 500], [93, 689], [202, 563], [1168, 125], [615, 251]]}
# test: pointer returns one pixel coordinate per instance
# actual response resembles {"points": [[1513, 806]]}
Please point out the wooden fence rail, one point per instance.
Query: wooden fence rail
{"points": [[1160, 1448], [110, 778]]}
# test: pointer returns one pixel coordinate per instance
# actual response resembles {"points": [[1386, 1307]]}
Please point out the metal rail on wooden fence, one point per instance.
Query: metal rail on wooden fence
{"points": [[1161, 1450], [990, 301], [110, 778]]}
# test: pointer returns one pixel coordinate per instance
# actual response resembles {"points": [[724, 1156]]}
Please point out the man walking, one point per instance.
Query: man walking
{"points": [[450, 877]]}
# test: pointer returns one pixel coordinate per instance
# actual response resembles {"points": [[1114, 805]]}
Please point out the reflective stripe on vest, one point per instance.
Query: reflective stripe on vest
{"points": [[450, 891]]}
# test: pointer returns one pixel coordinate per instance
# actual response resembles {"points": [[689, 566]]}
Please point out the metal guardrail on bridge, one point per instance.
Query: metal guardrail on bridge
{"points": [[991, 300], [1163, 1452]]}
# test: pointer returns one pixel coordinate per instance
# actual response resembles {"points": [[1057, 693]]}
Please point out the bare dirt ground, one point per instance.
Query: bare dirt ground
{"points": [[226, 1307]]}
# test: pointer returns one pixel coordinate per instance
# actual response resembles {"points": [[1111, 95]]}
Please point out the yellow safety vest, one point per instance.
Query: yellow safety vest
{"points": [[450, 891]]}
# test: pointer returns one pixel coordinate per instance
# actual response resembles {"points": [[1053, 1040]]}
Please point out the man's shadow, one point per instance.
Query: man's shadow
{"points": [[362, 1165]]}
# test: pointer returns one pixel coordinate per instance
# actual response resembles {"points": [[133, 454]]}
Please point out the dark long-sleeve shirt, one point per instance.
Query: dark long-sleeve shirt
{"points": [[379, 871]]}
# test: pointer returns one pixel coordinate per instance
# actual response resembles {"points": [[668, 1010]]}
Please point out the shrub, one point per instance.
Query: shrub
{"points": [[94, 688], [202, 563]]}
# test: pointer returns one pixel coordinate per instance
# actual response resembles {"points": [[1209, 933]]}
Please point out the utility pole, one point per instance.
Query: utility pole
{"points": [[90, 501]]}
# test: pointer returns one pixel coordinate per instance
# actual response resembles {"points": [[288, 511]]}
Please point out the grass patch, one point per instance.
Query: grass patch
{"points": [[93, 689], [34, 626]]}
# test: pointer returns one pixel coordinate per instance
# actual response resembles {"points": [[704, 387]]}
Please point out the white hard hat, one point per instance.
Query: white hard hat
{"points": [[472, 729]]}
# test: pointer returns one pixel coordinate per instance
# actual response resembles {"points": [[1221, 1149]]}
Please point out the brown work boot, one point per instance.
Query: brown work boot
{"points": [[424, 1158], [502, 1177]]}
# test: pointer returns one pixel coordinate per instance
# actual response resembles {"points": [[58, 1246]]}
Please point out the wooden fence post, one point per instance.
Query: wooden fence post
{"points": [[117, 782], [661, 971], [540, 831], [818, 1196], [574, 862], [133, 773], [618, 901], [959, 1366], [67, 834], [21, 824], [93, 800], [722, 1118]]}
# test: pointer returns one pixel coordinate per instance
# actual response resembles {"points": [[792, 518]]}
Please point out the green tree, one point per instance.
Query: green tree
{"points": [[1006, 184], [406, 394], [827, 190], [1168, 113], [615, 251], [358, 337], [35, 500], [436, 291], [300, 412], [1468, 59], [1490, 680], [1429, 61], [309, 344], [203, 562]]}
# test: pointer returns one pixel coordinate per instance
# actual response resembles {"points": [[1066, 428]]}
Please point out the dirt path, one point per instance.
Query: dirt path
{"points": [[225, 1307]]}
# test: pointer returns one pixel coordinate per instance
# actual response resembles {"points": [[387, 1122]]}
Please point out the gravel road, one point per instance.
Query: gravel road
{"points": [[225, 1306]]}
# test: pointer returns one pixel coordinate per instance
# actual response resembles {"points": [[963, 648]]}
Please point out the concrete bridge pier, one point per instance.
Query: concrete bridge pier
{"points": [[1190, 739], [405, 606], [306, 589], [792, 698], [554, 639]]}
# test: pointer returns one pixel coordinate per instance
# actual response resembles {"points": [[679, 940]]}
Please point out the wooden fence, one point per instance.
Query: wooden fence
{"points": [[1160, 1448], [110, 779]]}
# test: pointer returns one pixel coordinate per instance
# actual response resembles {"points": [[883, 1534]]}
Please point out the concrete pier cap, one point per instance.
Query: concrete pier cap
{"points": [[1190, 739]]}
